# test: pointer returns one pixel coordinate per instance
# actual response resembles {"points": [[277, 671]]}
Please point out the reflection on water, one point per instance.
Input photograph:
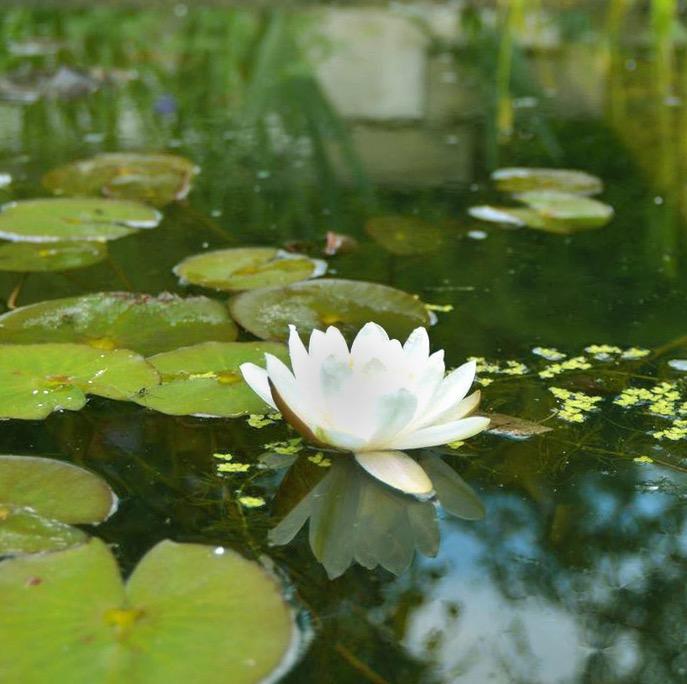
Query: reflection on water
{"points": [[319, 120]]}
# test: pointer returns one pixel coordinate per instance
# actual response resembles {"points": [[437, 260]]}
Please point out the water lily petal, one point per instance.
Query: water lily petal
{"points": [[257, 380], [441, 434], [426, 381], [396, 469], [416, 347], [393, 413], [453, 388], [328, 343], [370, 342], [316, 340], [284, 382], [339, 439], [461, 409], [300, 361]]}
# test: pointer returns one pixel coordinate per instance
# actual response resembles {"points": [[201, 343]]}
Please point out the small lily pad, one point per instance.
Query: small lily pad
{"points": [[205, 380], [571, 212], [188, 613], [37, 379], [405, 235], [510, 216], [348, 304], [552, 212], [28, 257], [156, 179], [520, 179], [40, 498], [247, 268], [120, 320], [55, 220], [55, 489], [514, 427]]}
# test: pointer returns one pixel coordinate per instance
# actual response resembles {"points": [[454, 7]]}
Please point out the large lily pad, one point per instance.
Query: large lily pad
{"points": [[405, 235], [22, 530], [247, 268], [570, 212], [37, 379], [520, 179], [41, 498], [111, 320], [153, 178], [55, 220], [205, 380], [56, 256], [188, 613], [347, 304]]}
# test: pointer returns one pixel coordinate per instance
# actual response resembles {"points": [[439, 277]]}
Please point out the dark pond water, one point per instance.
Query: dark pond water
{"points": [[319, 120]]}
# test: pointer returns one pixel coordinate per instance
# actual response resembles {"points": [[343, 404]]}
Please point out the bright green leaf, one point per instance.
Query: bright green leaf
{"points": [[111, 320]]}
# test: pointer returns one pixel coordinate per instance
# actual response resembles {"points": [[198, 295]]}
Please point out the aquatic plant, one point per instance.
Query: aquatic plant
{"points": [[373, 399]]}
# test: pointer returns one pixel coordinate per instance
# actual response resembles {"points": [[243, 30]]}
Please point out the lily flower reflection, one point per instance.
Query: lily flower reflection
{"points": [[352, 517], [375, 399]]}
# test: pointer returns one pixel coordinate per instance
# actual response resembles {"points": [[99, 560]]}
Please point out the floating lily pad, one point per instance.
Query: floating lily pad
{"points": [[514, 427], [22, 530], [552, 212], [153, 178], [519, 179], [188, 613], [512, 216], [37, 379], [405, 235], [55, 489], [347, 304], [205, 379], [56, 256], [40, 498], [55, 220], [570, 212], [111, 320], [248, 268]]}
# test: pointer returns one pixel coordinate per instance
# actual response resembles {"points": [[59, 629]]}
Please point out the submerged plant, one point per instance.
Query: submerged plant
{"points": [[373, 399]]}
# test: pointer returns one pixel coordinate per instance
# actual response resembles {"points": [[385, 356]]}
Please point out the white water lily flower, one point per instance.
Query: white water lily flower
{"points": [[375, 399]]}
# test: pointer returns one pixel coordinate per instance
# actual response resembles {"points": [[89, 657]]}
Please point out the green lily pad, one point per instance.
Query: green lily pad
{"points": [[516, 217], [569, 211], [205, 380], [405, 235], [188, 613], [55, 220], [112, 320], [28, 257], [156, 179], [22, 530], [40, 498], [348, 304], [247, 268], [519, 179], [55, 489], [37, 379], [552, 212]]}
